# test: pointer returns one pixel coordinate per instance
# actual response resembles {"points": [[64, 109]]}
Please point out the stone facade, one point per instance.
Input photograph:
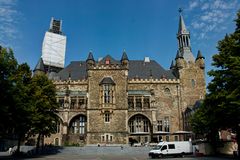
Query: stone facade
{"points": [[124, 101]]}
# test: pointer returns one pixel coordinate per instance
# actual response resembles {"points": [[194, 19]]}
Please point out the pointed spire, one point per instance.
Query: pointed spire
{"points": [[199, 55], [184, 44], [172, 65], [39, 66], [182, 27], [90, 56], [124, 56]]}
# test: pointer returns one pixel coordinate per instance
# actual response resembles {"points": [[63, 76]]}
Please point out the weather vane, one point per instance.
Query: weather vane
{"points": [[180, 10]]}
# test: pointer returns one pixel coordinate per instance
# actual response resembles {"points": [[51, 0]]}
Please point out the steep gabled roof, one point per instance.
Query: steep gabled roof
{"points": [[107, 80]]}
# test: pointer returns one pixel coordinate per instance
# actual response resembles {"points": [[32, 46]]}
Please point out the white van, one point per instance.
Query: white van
{"points": [[176, 148]]}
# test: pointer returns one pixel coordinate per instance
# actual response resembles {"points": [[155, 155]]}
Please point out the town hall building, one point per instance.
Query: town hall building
{"points": [[119, 101]]}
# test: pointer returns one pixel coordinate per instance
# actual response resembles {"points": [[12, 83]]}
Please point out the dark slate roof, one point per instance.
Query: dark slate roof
{"points": [[107, 80], [39, 66], [137, 69], [76, 70], [144, 70]]}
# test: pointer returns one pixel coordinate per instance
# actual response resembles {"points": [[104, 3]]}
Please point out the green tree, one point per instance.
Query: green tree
{"points": [[21, 108], [15, 112], [221, 107], [8, 67], [44, 106], [28, 104]]}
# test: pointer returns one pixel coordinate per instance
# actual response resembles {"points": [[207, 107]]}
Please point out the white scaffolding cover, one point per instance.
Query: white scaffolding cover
{"points": [[53, 49]]}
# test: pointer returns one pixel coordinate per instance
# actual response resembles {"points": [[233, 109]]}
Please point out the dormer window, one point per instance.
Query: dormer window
{"points": [[107, 61]]}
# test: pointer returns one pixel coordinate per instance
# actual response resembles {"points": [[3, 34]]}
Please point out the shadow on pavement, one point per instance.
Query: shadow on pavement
{"points": [[33, 153]]}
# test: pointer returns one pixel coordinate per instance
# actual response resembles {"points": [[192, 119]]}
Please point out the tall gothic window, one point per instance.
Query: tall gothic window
{"points": [[57, 127], [159, 125], [61, 102], [107, 88], [78, 125], [82, 125], [138, 103], [145, 125], [131, 126], [146, 102], [166, 124], [81, 102], [130, 102], [138, 123], [73, 102]]}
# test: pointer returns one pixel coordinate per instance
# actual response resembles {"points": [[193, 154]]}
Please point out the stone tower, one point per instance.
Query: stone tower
{"points": [[189, 70], [107, 105]]}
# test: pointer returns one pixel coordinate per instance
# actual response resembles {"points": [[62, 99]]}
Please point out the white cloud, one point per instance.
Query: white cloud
{"points": [[8, 21], [205, 6], [193, 4], [212, 15], [197, 25]]}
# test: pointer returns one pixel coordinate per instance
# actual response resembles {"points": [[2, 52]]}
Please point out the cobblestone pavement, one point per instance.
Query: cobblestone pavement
{"points": [[109, 153]]}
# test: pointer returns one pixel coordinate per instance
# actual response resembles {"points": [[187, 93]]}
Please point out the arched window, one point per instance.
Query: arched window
{"points": [[167, 91], [138, 124], [107, 90], [56, 141], [166, 124], [78, 125]]}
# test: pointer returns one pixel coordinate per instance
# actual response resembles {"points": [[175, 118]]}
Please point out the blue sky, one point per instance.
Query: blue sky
{"points": [[141, 27]]}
